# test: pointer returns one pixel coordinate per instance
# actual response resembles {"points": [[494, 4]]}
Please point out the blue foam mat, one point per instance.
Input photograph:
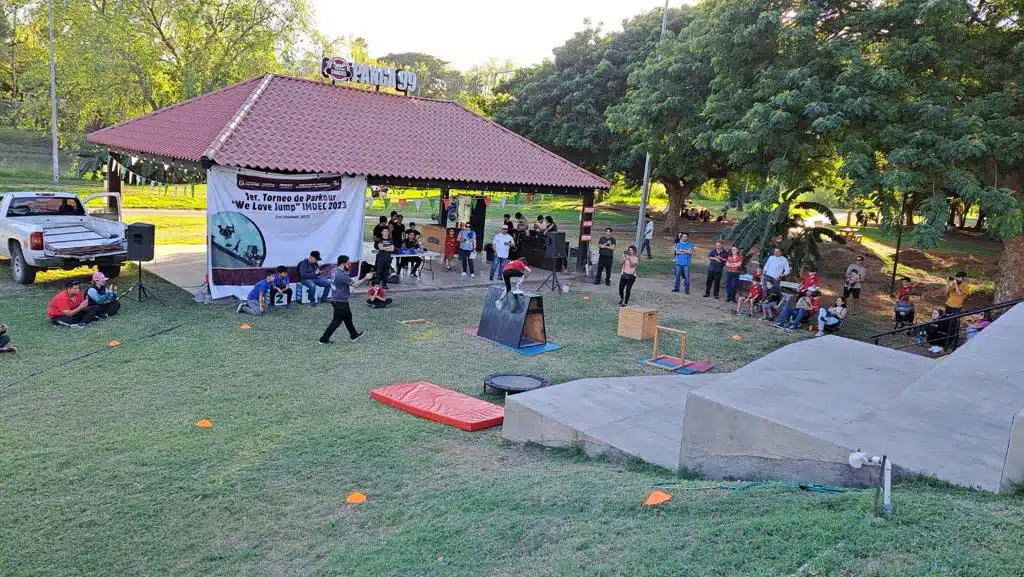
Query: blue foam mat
{"points": [[533, 350]]}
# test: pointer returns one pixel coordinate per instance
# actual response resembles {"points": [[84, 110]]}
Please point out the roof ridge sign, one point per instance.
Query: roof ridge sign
{"points": [[340, 70]]}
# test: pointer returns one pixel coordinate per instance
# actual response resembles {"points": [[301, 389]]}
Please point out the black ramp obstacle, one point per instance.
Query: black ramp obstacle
{"points": [[519, 323]]}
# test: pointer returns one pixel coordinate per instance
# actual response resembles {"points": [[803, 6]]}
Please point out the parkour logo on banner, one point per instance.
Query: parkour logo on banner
{"points": [[258, 221], [340, 70]]}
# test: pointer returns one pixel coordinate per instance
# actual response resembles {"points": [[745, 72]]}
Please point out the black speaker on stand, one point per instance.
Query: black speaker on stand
{"points": [[141, 245], [554, 254]]}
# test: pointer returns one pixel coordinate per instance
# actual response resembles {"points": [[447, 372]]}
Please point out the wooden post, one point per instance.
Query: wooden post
{"points": [[657, 342], [586, 222], [112, 184]]}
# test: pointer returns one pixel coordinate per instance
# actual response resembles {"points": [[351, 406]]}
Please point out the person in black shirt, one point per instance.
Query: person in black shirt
{"points": [[605, 252], [398, 229], [509, 225], [716, 263], [550, 226], [382, 224], [382, 264], [411, 242]]}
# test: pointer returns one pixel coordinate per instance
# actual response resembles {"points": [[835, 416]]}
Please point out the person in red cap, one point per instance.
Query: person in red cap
{"points": [[101, 296]]}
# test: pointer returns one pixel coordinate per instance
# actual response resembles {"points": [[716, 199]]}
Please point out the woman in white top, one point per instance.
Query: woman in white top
{"points": [[831, 316]]}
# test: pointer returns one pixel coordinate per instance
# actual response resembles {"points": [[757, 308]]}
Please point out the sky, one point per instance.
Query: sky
{"points": [[466, 32]]}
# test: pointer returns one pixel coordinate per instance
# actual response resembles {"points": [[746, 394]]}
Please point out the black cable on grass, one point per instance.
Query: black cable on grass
{"points": [[88, 354]]}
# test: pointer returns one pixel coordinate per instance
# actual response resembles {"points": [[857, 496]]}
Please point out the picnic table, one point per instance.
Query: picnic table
{"points": [[851, 234]]}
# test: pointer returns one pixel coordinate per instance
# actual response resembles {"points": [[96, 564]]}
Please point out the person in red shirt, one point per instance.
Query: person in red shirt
{"points": [[514, 268], [377, 297], [810, 279], [733, 264], [905, 290], [70, 308]]}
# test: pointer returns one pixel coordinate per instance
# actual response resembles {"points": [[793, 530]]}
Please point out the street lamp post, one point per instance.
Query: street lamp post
{"points": [[645, 189], [53, 103]]}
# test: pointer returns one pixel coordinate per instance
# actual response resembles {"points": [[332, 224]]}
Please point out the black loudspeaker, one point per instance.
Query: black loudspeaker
{"points": [[555, 245], [477, 220], [141, 241]]}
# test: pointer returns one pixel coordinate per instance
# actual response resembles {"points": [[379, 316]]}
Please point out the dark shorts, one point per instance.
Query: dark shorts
{"points": [[848, 292]]}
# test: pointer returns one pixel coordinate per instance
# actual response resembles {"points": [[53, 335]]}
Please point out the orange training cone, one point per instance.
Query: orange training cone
{"points": [[657, 497], [245, 326], [736, 337], [114, 343], [204, 424], [355, 497]]}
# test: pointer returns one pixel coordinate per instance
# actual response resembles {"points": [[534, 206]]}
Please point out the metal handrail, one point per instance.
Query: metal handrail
{"points": [[997, 306]]}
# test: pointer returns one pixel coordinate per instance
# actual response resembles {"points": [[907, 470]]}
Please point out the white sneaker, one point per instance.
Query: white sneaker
{"points": [[820, 334], [462, 274], [239, 308], [517, 291], [473, 275]]}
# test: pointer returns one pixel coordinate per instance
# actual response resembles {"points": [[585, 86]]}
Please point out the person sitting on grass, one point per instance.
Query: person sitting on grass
{"points": [[5, 341], [309, 277], [280, 286], [770, 301], [377, 297], [976, 325], [514, 268], [70, 308], [751, 300], [831, 316], [101, 296], [792, 316], [259, 297]]}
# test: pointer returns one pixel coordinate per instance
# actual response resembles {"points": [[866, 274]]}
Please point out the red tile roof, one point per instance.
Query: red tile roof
{"points": [[281, 123]]}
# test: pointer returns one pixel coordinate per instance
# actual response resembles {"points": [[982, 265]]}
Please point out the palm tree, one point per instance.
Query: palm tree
{"points": [[777, 217]]}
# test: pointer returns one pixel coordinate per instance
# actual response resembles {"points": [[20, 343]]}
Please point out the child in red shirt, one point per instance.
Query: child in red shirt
{"points": [[70, 308], [377, 296]]}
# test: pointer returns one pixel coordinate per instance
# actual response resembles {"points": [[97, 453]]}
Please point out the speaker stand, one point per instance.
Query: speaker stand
{"points": [[143, 293], [553, 277]]}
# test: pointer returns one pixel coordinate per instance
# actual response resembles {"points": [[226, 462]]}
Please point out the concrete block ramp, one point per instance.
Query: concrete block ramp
{"points": [[796, 414]]}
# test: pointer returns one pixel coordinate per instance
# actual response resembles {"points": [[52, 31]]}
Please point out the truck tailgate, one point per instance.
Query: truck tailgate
{"points": [[78, 240]]}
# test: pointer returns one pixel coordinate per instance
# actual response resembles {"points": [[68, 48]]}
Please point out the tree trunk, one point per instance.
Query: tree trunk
{"points": [[978, 226], [952, 214], [908, 214], [963, 215], [677, 192], [1010, 284]]}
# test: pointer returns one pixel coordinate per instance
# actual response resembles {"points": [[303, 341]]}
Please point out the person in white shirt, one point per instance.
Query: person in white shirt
{"points": [[502, 243], [775, 269], [648, 236]]}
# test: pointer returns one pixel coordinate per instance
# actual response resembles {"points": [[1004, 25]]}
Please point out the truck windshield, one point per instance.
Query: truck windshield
{"points": [[45, 206]]}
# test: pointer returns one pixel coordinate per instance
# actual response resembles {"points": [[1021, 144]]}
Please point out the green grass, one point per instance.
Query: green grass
{"points": [[104, 472]]}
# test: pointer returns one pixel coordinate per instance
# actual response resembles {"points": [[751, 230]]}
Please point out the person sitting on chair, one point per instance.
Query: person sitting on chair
{"points": [[792, 316], [101, 296], [831, 316], [309, 277], [771, 300], [538, 226], [280, 286], [377, 297], [514, 268], [70, 308], [412, 243], [752, 298]]}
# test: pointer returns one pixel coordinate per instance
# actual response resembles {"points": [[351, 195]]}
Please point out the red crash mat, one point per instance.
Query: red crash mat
{"points": [[442, 405]]}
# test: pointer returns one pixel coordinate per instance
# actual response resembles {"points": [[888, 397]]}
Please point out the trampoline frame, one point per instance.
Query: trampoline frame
{"points": [[489, 382]]}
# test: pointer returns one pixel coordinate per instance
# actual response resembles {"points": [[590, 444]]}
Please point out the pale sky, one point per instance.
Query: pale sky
{"points": [[466, 32]]}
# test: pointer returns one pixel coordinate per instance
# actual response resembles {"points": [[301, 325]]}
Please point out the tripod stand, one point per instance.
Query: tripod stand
{"points": [[553, 277], [143, 293]]}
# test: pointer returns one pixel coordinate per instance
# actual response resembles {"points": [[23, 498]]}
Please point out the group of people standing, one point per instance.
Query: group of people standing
{"points": [[391, 237]]}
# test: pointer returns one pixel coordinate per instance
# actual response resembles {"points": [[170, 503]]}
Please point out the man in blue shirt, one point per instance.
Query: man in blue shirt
{"points": [[259, 297], [683, 251]]}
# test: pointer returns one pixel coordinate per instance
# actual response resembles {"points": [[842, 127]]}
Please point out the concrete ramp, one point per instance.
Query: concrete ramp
{"points": [[638, 416]]}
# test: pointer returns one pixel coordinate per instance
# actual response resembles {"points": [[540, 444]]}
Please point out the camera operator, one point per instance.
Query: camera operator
{"points": [[957, 291]]}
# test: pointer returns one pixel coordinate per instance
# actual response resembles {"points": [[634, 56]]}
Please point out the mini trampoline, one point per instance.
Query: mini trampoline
{"points": [[512, 383]]}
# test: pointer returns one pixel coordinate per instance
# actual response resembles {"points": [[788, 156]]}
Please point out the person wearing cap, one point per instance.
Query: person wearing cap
{"points": [[309, 277], [70, 308], [101, 296]]}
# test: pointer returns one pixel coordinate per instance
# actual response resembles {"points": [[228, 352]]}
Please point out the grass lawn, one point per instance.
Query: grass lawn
{"points": [[105, 473]]}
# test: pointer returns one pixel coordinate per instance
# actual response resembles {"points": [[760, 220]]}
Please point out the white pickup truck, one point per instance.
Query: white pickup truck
{"points": [[45, 230]]}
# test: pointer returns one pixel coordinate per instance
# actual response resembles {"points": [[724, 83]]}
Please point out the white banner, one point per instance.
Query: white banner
{"points": [[258, 221]]}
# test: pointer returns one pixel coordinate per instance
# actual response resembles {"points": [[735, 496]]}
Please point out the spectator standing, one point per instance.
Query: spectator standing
{"points": [[733, 266], [855, 275], [467, 244], [382, 262], [550, 225], [628, 276], [776, 267], [502, 244], [957, 291], [382, 223], [648, 237], [398, 228], [520, 223], [538, 226], [684, 251], [309, 277], [605, 254], [101, 296], [716, 264], [341, 289], [70, 308]]}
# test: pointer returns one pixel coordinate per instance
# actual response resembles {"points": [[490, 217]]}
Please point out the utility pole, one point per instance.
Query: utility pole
{"points": [[646, 188], [53, 104]]}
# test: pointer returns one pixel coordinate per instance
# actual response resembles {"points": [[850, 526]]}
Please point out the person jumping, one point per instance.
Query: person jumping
{"points": [[514, 268]]}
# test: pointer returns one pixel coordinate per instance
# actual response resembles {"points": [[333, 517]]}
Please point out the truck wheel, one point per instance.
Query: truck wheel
{"points": [[112, 271], [21, 271]]}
